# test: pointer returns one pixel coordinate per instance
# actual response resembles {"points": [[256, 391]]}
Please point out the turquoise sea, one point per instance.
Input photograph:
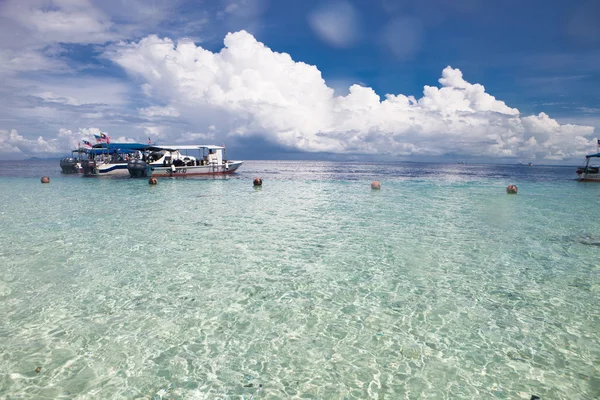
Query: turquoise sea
{"points": [[438, 286]]}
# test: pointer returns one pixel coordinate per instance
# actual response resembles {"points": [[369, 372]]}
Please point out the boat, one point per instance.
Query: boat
{"points": [[174, 161], [587, 172], [72, 164], [111, 159]]}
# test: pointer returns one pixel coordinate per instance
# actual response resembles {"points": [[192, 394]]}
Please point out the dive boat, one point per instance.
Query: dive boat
{"points": [[169, 161], [72, 164], [587, 172], [110, 159]]}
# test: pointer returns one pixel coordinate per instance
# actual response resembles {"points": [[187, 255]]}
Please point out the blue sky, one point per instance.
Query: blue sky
{"points": [[75, 67]]}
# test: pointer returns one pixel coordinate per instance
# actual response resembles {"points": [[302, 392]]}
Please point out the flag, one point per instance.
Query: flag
{"points": [[87, 144], [104, 138], [598, 142], [98, 138], [149, 141]]}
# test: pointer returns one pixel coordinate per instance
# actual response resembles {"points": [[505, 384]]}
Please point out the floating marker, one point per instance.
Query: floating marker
{"points": [[511, 189]]}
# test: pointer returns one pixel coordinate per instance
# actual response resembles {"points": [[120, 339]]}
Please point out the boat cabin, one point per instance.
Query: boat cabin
{"points": [[181, 156]]}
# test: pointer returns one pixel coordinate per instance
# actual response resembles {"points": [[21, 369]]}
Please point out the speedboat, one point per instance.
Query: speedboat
{"points": [[174, 161], [587, 172], [111, 159], [72, 164]]}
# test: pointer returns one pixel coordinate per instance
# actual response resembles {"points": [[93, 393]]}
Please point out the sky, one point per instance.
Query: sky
{"points": [[482, 80]]}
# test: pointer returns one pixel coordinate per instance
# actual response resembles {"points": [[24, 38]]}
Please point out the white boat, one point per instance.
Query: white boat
{"points": [[175, 161], [587, 172], [110, 159]]}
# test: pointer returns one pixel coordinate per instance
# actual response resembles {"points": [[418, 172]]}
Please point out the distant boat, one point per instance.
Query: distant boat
{"points": [[169, 161], [587, 172], [530, 164]]}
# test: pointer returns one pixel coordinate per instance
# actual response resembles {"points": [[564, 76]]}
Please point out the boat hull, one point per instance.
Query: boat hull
{"points": [[589, 178], [102, 169], [195, 170]]}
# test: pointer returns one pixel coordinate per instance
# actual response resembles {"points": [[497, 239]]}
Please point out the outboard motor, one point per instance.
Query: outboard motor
{"points": [[89, 167], [69, 165], [137, 168]]}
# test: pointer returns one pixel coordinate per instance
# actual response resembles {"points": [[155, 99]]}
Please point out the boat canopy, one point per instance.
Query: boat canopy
{"points": [[118, 147], [184, 147], [593, 155]]}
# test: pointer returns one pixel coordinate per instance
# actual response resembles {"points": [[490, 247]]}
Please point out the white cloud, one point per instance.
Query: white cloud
{"points": [[336, 23], [22, 60], [12, 143], [78, 91], [15, 145], [247, 89], [156, 111], [195, 137], [59, 21]]}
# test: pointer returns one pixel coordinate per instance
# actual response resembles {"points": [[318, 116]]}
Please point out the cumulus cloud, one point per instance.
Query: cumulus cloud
{"points": [[14, 145], [248, 89]]}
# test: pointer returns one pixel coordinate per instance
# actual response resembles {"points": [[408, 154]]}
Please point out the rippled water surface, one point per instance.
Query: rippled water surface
{"points": [[438, 286]]}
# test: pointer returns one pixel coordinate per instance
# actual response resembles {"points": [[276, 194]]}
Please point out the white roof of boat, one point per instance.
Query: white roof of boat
{"points": [[188, 146]]}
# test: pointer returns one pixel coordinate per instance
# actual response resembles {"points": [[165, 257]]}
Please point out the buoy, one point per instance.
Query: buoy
{"points": [[152, 181], [257, 182], [375, 185], [511, 189], [45, 179]]}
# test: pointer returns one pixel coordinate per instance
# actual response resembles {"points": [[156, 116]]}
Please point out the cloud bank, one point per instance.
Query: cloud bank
{"points": [[247, 89]]}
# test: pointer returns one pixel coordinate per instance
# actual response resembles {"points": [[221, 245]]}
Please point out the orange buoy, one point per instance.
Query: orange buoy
{"points": [[375, 185], [152, 181], [257, 182], [511, 189], [45, 179]]}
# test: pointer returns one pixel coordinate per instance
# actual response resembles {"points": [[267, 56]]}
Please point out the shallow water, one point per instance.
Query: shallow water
{"points": [[438, 286]]}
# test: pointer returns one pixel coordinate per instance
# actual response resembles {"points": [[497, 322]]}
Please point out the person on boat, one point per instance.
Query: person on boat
{"points": [[212, 157]]}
